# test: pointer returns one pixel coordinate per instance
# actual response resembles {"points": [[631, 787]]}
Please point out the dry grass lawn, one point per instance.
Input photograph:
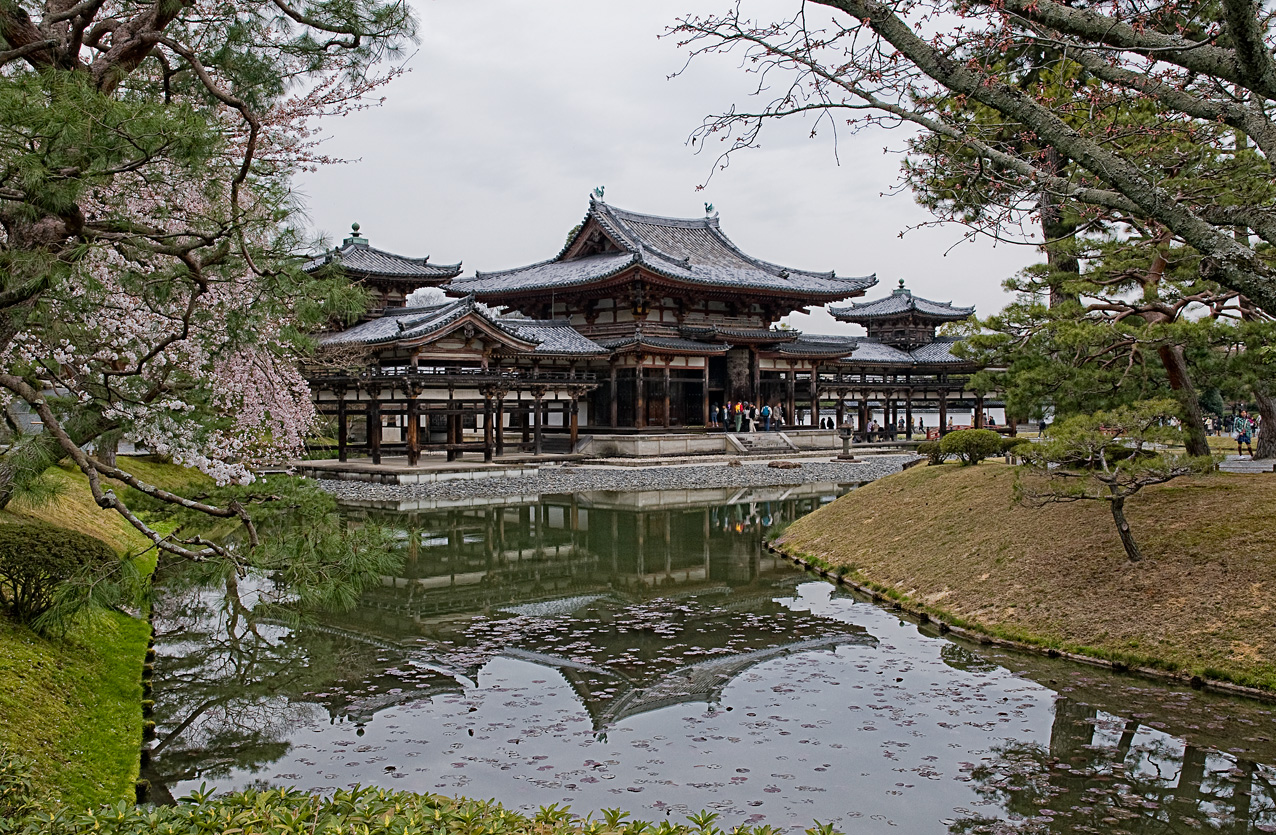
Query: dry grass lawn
{"points": [[950, 538]]}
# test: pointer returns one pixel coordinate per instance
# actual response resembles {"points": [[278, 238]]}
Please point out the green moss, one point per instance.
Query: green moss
{"points": [[73, 706]]}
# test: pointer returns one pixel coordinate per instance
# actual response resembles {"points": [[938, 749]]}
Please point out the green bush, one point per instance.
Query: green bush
{"points": [[18, 798], [932, 452], [364, 810], [971, 445], [1010, 445], [36, 559]]}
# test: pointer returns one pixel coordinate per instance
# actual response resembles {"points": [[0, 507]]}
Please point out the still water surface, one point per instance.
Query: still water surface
{"points": [[643, 651]]}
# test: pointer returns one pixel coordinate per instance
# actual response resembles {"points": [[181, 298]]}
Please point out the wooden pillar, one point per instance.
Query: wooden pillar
{"points": [[979, 411], [841, 407], [537, 420], [489, 435], [343, 428], [908, 415], [894, 414], [525, 419], [500, 424], [414, 443], [704, 398], [791, 404], [453, 422], [864, 414], [640, 398], [943, 411], [374, 429], [665, 420], [615, 399], [575, 421], [756, 399], [814, 394]]}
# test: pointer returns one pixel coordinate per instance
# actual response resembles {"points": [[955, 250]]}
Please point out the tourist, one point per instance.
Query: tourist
{"points": [[739, 415], [1244, 429], [766, 417], [713, 416]]}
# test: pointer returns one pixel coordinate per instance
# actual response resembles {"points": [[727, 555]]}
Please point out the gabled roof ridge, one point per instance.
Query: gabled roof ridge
{"points": [[625, 215], [501, 273]]}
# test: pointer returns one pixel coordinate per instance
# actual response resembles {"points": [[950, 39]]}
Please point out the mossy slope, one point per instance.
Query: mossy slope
{"points": [[72, 706], [952, 539]]}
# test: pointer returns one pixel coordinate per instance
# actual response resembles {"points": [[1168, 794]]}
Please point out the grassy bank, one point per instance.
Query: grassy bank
{"points": [[72, 705], [950, 540]]}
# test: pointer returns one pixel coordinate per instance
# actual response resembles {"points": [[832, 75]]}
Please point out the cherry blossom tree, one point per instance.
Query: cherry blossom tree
{"points": [[149, 284]]}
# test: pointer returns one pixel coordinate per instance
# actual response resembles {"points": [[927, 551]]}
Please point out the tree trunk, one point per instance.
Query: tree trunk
{"points": [[108, 444], [1175, 363], [1265, 443], [1123, 529], [1057, 236]]}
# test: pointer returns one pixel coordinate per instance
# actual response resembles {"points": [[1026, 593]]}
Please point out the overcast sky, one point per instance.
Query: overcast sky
{"points": [[513, 111]]}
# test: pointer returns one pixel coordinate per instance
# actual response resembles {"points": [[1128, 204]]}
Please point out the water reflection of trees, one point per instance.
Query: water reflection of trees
{"points": [[232, 677], [1104, 774], [237, 676]]}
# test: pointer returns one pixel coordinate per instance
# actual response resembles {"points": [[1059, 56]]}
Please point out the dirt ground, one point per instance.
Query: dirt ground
{"points": [[952, 538]]}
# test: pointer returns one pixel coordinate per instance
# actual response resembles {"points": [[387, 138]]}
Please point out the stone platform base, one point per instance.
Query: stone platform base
{"points": [[397, 471]]}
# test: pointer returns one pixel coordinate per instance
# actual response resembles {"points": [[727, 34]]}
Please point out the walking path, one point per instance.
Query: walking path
{"points": [[1238, 464]]}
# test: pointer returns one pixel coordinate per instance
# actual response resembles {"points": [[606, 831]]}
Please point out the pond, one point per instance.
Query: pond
{"points": [[643, 651]]}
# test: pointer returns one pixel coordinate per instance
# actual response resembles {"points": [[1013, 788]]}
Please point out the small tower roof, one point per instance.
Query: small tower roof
{"points": [[360, 259], [901, 303]]}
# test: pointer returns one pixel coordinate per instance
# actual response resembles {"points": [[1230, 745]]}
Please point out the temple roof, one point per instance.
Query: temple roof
{"points": [[899, 303], [939, 351], [817, 346], [726, 333], [860, 350], [356, 256], [640, 341], [690, 251], [555, 336]]}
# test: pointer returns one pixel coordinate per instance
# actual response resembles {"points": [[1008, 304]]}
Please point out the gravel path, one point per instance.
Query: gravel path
{"points": [[580, 479]]}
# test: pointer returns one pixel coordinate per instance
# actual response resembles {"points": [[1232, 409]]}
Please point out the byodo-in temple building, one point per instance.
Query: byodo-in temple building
{"points": [[639, 325]]}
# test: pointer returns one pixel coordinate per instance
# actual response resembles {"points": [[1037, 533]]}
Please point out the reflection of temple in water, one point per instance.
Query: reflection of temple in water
{"points": [[670, 594], [481, 559]]}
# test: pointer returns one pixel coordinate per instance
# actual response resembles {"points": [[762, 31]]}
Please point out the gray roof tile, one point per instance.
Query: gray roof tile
{"points": [[640, 340], [900, 302], [355, 256], [939, 352], [551, 337], [555, 336], [688, 250]]}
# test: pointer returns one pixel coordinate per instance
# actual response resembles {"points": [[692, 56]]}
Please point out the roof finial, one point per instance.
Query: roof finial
{"points": [[355, 237], [708, 209], [901, 284], [598, 193]]}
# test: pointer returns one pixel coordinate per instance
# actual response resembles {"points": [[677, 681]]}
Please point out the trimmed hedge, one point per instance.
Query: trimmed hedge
{"points": [[971, 445], [36, 558]]}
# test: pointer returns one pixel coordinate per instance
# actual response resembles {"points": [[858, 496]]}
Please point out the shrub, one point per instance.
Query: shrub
{"points": [[971, 445], [1010, 445], [932, 452], [36, 559], [18, 799]]}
